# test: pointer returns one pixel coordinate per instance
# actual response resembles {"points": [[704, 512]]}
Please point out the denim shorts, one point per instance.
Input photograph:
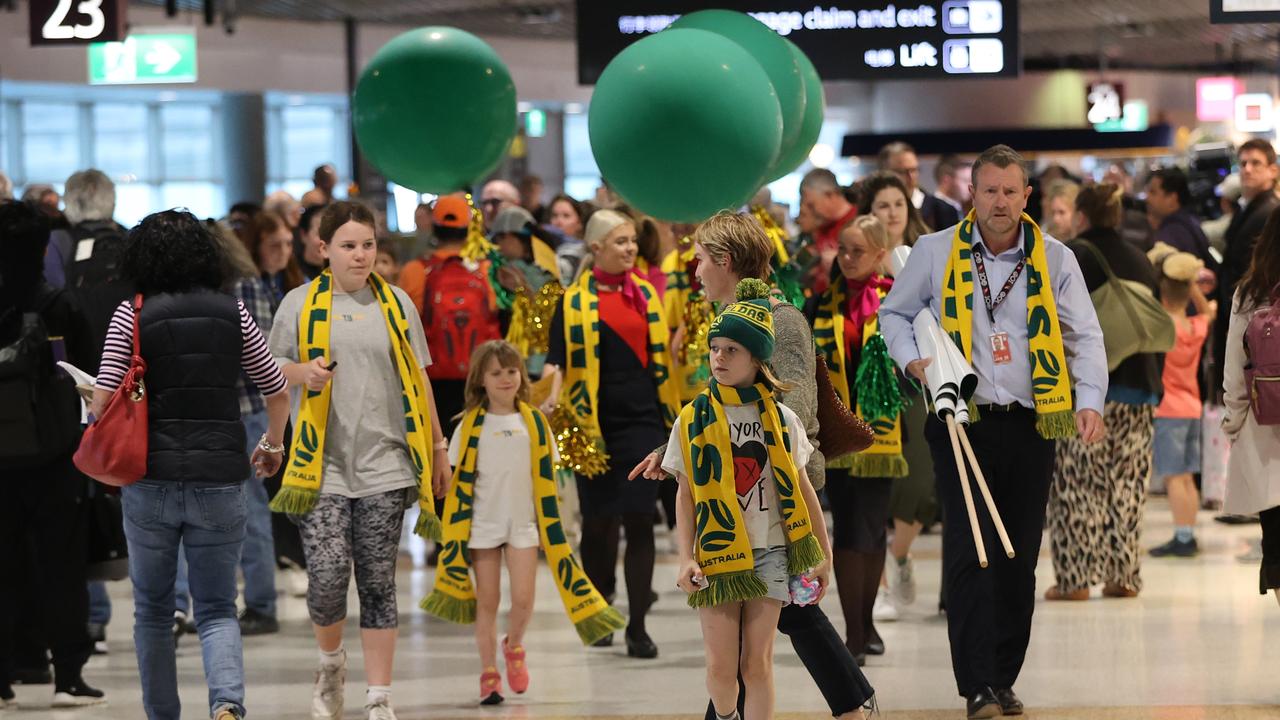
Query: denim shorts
{"points": [[771, 567], [1177, 446]]}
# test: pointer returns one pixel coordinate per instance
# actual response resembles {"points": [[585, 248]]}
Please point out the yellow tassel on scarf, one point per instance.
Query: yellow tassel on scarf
{"points": [[721, 545], [691, 309], [582, 372], [1050, 381], [884, 458], [453, 597], [304, 473]]}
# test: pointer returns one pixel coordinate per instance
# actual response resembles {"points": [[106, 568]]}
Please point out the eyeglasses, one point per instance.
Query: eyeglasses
{"points": [[494, 202]]}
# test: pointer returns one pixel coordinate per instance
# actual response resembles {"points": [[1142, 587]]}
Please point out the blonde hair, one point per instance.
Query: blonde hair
{"points": [[771, 379], [739, 240], [1064, 189], [505, 353], [872, 230], [602, 223]]}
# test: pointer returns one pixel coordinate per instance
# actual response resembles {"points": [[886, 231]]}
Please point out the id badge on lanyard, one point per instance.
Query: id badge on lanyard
{"points": [[1001, 353]]}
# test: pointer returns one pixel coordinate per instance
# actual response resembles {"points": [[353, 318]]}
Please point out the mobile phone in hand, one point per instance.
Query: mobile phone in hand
{"points": [[331, 366]]}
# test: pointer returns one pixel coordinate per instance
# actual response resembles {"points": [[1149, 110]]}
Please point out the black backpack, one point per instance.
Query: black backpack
{"points": [[94, 280], [39, 405]]}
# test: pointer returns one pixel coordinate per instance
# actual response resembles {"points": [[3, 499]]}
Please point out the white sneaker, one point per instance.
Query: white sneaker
{"points": [[295, 578], [884, 610], [902, 581], [327, 698], [380, 711]]}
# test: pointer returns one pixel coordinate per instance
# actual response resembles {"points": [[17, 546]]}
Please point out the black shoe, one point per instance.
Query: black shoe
{"points": [[653, 598], [98, 634], [861, 659], [253, 622], [1177, 548], [1009, 702], [32, 676], [606, 641], [982, 704], [1229, 519], [641, 646], [875, 644], [77, 694]]}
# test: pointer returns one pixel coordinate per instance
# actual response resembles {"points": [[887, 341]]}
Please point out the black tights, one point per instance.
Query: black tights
{"points": [[600, 535]]}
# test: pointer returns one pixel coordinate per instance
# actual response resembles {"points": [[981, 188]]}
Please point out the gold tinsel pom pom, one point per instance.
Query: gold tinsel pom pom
{"points": [[477, 246], [777, 235], [580, 451], [530, 330]]}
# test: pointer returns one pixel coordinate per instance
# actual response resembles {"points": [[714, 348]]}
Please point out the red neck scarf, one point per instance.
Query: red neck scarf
{"points": [[864, 297], [626, 284]]}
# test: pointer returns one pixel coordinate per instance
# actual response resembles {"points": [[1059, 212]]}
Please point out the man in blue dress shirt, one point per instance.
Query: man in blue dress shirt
{"points": [[989, 610]]}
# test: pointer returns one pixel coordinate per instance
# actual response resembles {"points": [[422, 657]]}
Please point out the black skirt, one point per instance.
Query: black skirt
{"points": [[631, 423]]}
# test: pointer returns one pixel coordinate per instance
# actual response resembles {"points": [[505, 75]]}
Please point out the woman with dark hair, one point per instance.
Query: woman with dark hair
{"points": [[1098, 492], [648, 264], [196, 342], [367, 444], [569, 218], [1253, 472], [884, 195], [42, 497], [912, 501], [270, 243]]}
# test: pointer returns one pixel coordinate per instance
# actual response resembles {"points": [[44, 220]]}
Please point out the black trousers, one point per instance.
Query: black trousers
{"points": [[43, 509], [824, 655], [989, 609], [1269, 573]]}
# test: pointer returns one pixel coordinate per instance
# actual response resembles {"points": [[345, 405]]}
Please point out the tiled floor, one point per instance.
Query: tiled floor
{"points": [[1198, 643]]}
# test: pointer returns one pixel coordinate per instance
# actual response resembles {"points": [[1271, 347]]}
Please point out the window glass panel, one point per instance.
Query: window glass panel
{"points": [[309, 139], [120, 140], [51, 141], [203, 199], [578, 159], [187, 141], [134, 201]]}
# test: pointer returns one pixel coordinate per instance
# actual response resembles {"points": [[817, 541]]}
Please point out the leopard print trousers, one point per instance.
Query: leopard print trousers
{"points": [[1096, 502]]}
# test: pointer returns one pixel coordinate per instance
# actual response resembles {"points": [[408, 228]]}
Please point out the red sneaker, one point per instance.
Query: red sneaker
{"points": [[517, 670], [490, 686]]}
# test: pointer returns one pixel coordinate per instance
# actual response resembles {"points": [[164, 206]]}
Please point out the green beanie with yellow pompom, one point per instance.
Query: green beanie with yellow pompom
{"points": [[749, 321]]}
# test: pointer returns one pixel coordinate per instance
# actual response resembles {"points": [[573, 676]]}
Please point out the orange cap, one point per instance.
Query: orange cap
{"points": [[451, 211]]}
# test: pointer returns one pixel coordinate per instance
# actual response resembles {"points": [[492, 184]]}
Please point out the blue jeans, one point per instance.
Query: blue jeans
{"points": [[208, 520], [99, 603], [258, 559]]}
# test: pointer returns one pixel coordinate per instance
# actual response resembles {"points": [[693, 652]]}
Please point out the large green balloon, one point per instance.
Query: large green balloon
{"points": [[773, 53], [815, 106], [684, 124], [435, 109]]}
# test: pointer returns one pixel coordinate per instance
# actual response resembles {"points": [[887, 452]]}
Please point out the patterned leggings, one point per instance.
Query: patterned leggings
{"points": [[366, 531], [1096, 502]]}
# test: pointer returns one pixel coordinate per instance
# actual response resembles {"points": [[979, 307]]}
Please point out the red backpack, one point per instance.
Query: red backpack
{"points": [[1262, 373], [456, 315]]}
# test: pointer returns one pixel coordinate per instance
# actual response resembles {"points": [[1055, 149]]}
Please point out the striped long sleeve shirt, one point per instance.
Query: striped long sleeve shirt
{"points": [[255, 358]]}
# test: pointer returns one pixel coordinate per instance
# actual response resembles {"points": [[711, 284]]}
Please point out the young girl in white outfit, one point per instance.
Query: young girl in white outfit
{"points": [[503, 506]]}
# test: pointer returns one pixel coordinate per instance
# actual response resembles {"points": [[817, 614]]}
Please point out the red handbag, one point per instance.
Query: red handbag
{"points": [[113, 450]]}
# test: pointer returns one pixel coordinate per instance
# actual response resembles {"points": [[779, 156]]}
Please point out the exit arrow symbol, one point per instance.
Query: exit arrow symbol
{"points": [[162, 57]]}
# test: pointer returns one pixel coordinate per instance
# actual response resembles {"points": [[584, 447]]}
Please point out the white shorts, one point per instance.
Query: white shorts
{"points": [[486, 535]]}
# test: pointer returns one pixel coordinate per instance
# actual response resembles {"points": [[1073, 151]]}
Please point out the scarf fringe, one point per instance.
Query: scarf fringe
{"points": [[877, 465], [449, 608], [605, 622], [294, 500], [1058, 425], [429, 526], [804, 555], [731, 587], [844, 462]]}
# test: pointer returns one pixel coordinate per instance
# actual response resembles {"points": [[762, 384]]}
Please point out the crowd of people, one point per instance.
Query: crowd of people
{"points": [[525, 376]]}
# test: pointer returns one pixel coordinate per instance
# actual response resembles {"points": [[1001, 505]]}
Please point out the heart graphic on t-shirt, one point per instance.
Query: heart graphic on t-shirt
{"points": [[748, 465]]}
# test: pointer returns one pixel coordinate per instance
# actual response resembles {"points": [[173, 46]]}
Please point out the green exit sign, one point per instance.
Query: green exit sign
{"points": [[144, 58]]}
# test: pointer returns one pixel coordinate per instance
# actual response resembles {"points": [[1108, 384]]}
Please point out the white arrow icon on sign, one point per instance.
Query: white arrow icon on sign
{"points": [[162, 57]]}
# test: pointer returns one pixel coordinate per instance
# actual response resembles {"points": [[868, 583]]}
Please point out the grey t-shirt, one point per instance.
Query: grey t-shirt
{"points": [[365, 452]]}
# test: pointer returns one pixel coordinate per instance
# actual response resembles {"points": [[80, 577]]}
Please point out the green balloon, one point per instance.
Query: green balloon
{"points": [[815, 106], [684, 124], [772, 52], [435, 109]]}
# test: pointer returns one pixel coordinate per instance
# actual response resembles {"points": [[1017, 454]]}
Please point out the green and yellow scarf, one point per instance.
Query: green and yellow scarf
{"points": [[1050, 381], [582, 372], [305, 471], [453, 598], [721, 545], [884, 458]]}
